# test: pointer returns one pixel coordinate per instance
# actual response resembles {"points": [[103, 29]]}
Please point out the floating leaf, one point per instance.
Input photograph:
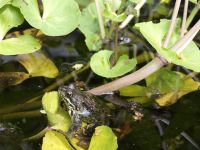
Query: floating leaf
{"points": [[59, 17], [38, 64], [103, 139], [55, 141], [89, 26], [155, 34], [9, 17], [133, 90], [4, 2], [21, 45], [12, 78], [164, 81], [100, 64], [57, 117], [172, 97]]}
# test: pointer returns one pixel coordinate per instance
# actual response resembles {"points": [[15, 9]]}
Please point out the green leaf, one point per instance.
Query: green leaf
{"points": [[100, 64], [21, 45], [55, 141], [58, 118], [155, 34], [110, 14], [164, 81], [103, 139], [193, 1], [89, 26], [133, 90], [4, 2], [9, 17], [12, 78], [83, 2], [38, 64], [59, 17]]}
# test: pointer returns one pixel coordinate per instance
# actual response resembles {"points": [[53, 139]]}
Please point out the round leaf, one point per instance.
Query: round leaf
{"points": [[55, 141], [9, 17], [59, 17], [100, 64], [155, 34], [103, 139], [22, 45]]}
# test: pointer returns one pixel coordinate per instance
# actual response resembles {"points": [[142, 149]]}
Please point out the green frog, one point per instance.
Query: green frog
{"points": [[83, 107]]}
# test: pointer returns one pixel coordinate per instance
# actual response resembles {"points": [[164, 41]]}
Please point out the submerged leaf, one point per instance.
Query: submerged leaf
{"points": [[55, 141], [57, 117], [103, 139], [38, 64], [59, 17], [100, 64], [9, 17], [155, 34], [22, 45], [133, 90], [12, 78]]}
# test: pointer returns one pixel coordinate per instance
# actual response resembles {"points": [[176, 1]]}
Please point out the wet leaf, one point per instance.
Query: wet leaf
{"points": [[90, 28], [155, 34], [57, 117], [9, 17], [103, 139], [55, 141], [54, 21], [185, 115], [164, 81], [12, 78], [38, 64], [133, 90], [100, 64], [172, 97], [21, 45]]}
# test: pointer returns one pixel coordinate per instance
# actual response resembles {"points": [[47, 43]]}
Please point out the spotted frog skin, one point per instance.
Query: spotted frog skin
{"points": [[83, 107]]}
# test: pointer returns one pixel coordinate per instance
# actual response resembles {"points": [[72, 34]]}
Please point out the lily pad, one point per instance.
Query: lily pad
{"points": [[55, 141], [155, 34], [38, 64], [9, 17], [21, 45], [103, 139], [100, 64], [57, 117], [59, 17]]}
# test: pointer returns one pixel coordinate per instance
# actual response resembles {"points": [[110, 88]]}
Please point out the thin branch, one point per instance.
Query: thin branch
{"points": [[131, 16], [173, 22], [183, 27], [100, 19]]}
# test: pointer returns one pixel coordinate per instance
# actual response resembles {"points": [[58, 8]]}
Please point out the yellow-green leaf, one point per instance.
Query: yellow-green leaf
{"points": [[38, 64], [133, 90], [55, 141], [103, 139]]}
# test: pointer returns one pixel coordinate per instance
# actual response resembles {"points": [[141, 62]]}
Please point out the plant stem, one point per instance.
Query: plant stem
{"points": [[173, 21], [100, 19], [21, 107], [192, 14], [26, 114], [183, 27], [38, 135], [131, 16], [59, 82]]}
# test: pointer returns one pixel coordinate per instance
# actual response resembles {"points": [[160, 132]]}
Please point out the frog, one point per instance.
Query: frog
{"points": [[83, 107]]}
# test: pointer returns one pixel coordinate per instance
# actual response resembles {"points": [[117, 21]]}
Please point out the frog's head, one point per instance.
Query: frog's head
{"points": [[66, 94]]}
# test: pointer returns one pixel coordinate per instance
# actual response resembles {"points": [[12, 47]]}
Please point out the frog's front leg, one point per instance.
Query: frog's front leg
{"points": [[75, 125]]}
